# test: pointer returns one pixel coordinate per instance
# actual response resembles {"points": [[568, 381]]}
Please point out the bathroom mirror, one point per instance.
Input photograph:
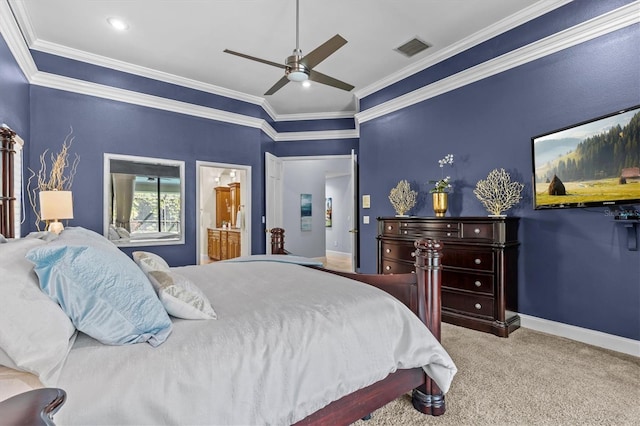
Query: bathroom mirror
{"points": [[144, 200]]}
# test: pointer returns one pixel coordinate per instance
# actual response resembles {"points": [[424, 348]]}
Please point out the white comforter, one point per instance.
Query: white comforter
{"points": [[288, 340]]}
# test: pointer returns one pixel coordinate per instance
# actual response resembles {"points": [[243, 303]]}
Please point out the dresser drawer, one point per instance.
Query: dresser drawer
{"points": [[478, 259], [481, 231], [477, 283], [468, 303], [402, 250], [410, 229], [396, 267]]}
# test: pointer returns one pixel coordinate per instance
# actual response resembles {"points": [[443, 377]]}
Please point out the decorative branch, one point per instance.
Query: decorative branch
{"points": [[60, 177], [402, 197], [497, 193]]}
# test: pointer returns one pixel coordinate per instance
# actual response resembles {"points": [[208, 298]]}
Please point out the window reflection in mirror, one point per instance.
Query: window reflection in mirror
{"points": [[144, 200]]}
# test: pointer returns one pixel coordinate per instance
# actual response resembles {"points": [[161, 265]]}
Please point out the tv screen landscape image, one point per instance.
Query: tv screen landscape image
{"points": [[593, 163]]}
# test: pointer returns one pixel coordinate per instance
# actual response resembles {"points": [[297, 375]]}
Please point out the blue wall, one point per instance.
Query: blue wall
{"points": [[101, 126], [574, 266]]}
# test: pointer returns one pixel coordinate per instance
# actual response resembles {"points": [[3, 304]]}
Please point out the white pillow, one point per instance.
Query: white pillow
{"points": [[180, 297], [149, 261], [35, 333]]}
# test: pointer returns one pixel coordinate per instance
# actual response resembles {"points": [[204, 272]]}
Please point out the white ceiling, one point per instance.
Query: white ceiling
{"points": [[183, 40]]}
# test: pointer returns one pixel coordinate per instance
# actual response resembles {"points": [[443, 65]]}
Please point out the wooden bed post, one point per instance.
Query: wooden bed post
{"points": [[277, 241], [428, 398], [7, 198]]}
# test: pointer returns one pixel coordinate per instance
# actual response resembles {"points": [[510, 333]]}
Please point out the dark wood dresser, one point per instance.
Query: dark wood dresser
{"points": [[479, 265]]}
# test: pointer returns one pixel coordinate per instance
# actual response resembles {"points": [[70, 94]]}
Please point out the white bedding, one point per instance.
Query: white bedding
{"points": [[288, 340]]}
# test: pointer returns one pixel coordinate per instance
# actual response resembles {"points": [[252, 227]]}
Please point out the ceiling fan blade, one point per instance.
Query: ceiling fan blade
{"points": [[253, 58], [323, 51], [318, 77], [279, 85]]}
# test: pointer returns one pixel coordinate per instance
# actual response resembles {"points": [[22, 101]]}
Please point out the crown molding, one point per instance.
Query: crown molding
{"points": [[585, 31], [113, 93], [319, 135], [502, 26], [315, 116], [15, 40]]}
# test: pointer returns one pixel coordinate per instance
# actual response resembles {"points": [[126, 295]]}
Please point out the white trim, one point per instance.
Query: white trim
{"points": [[601, 25], [588, 30], [319, 135], [502, 26], [108, 92], [584, 335], [15, 41]]}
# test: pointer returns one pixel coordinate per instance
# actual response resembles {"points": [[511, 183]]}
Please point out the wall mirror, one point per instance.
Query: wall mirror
{"points": [[144, 200]]}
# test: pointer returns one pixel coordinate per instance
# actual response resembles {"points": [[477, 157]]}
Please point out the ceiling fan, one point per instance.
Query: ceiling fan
{"points": [[300, 68]]}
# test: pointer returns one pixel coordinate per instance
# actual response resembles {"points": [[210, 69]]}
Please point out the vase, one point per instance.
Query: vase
{"points": [[440, 203]]}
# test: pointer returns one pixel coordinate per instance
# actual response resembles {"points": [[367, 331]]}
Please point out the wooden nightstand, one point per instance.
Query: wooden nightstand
{"points": [[35, 407]]}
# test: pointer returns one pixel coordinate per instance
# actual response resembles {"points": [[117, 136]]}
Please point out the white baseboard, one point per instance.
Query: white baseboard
{"points": [[584, 335], [339, 253]]}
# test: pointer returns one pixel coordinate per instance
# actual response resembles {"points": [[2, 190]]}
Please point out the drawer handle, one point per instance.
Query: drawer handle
{"points": [[448, 234], [478, 306], [478, 284], [389, 227], [405, 232], [388, 250], [388, 268], [448, 225], [413, 272], [405, 224], [413, 254], [477, 230], [478, 261]]}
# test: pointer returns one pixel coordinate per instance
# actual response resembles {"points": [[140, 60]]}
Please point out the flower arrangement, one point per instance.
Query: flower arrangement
{"points": [[402, 197], [58, 176], [444, 183], [498, 193]]}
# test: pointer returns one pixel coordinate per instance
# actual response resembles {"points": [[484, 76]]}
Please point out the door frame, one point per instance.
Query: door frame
{"points": [[353, 157], [245, 200]]}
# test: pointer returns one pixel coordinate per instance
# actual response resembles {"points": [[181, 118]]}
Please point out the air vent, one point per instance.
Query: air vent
{"points": [[412, 47]]}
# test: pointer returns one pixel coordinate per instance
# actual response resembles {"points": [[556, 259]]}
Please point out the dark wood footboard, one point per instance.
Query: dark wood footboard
{"points": [[420, 291]]}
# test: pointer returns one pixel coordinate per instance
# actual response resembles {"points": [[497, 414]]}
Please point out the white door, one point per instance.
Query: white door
{"points": [[353, 226], [273, 196]]}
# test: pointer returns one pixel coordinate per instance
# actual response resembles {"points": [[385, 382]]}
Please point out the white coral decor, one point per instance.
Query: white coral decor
{"points": [[402, 197], [498, 193]]}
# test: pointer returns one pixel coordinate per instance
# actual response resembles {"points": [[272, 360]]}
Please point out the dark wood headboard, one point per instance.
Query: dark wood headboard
{"points": [[7, 197]]}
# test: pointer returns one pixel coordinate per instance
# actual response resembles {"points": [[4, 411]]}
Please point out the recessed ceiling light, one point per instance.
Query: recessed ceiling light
{"points": [[118, 24]]}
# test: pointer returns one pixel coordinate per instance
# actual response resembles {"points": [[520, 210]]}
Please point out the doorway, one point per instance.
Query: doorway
{"points": [[237, 216], [312, 177]]}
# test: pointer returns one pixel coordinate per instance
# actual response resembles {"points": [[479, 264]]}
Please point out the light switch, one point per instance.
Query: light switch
{"points": [[366, 201], [365, 219]]}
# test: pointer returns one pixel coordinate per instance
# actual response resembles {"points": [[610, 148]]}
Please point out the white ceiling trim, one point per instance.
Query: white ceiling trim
{"points": [[509, 23], [326, 134], [15, 41], [588, 30], [113, 93]]}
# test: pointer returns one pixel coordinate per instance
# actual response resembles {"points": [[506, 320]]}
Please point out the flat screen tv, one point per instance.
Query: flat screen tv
{"points": [[593, 163]]}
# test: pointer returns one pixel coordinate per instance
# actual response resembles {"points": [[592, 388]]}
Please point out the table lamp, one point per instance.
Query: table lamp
{"points": [[56, 205]]}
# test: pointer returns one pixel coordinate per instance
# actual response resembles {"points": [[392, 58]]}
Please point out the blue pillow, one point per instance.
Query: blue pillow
{"points": [[103, 292]]}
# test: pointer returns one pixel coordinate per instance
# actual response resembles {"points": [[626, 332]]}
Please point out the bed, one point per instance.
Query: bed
{"points": [[256, 340]]}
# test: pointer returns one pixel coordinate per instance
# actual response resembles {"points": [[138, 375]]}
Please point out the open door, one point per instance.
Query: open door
{"points": [[273, 195], [353, 226]]}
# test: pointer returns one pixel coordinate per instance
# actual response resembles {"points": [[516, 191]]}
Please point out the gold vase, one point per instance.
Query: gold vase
{"points": [[440, 203]]}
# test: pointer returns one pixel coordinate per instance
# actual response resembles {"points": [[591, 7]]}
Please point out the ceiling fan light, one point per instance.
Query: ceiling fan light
{"points": [[298, 76]]}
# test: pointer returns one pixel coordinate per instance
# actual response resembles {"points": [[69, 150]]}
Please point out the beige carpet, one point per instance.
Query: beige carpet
{"points": [[530, 378]]}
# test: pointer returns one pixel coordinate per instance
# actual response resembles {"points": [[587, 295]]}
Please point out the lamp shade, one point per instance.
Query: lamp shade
{"points": [[55, 205]]}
